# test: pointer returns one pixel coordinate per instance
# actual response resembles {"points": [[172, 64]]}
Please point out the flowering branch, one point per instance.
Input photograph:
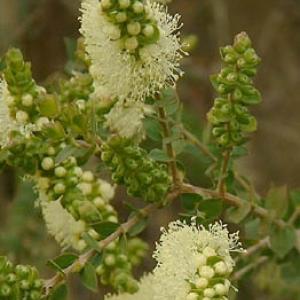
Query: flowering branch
{"points": [[122, 229]]}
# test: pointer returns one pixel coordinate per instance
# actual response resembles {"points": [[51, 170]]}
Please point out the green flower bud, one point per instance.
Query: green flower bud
{"points": [[131, 43], [60, 172], [59, 188], [5, 290], [106, 4], [242, 42], [232, 77], [124, 3], [22, 271], [121, 17], [134, 28], [35, 295], [48, 106], [230, 58], [24, 284], [27, 100], [22, 116], [138, 7], [148, 30], [11, 278]]}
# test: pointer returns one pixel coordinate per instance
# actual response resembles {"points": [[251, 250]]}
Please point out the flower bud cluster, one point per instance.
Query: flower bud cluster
{"points": [[130, 165], [116, 265], [230, 115], [134, 26], [22, 88], [211, 280], [19, 282], [83, 195]]}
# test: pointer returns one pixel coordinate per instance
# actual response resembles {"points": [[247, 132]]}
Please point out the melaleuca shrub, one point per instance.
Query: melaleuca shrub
{"points": [[96, 120]]}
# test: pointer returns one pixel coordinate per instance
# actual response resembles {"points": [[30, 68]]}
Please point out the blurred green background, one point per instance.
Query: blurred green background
{"points": [[40, 29]]}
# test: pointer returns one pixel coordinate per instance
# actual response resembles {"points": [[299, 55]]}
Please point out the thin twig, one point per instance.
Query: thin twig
{"points": [[221, 187], [239, 274], [253, 249], [232, 200], [170, 150], [294, 217], [256, 247], [194, 140]]}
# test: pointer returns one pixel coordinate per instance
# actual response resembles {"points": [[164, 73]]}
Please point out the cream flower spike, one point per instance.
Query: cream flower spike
{"points": [[131, 59], [194, 263], [61, 224], [7, 124]]}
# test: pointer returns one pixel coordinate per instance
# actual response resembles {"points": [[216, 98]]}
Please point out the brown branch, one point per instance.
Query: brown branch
{"points": [[221, 187], [294, 217], [170, 150], [239, 274], [231, 200]]}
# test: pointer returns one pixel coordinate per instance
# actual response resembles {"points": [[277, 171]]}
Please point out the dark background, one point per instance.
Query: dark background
{"points": [[39, 28]]}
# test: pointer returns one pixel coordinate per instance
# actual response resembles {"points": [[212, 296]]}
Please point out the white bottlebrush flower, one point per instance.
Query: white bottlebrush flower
{"points": [[7, 124], [61, 224], [183, 259], [126, 120], [145, 292], [117, 72], [188, 259]]}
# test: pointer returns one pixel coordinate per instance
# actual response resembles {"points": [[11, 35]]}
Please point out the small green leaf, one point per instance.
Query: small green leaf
{"points": [[63, 261], [282, 240], [212, 208], [295, 197], [252, 229], [105, 228], [153, 129], [189, 201], [237, 215], [159, 155], [88, 277], [277, 201], [138, 228], [71, 45], [290, 269], [91, 242], [59, 293], [239, 151], [64, 154]]}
